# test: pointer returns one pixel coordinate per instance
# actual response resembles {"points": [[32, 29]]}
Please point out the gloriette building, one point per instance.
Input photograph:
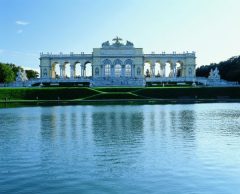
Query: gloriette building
{"points": [[118, 64]]}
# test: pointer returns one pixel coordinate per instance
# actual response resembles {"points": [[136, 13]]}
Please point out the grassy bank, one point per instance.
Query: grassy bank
{"points": [[45, 93], [115, 93]]}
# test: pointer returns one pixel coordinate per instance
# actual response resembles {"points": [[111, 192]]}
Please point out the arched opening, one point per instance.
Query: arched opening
{"points": [[179, 67], [128, 70], [163, 69], [107, 70], [66, 70], [107, 67], [128, 67], [147, 69], [55, 70], [117, 67], [88, 69], [77, 70], [168, 69], [118, 70]]}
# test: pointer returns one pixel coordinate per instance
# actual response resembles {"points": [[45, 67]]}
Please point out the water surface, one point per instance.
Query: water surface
{"points": [[121, 149]]}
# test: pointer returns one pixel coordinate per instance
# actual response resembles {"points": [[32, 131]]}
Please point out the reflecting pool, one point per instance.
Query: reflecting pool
{"points": [[173, 149]]}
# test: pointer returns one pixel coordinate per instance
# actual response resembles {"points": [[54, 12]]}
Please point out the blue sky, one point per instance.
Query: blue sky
{"points": [[28, 27]]}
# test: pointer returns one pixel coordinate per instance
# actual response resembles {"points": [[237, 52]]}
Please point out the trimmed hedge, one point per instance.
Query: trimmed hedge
{"points": [[117, 93], [200, 93]]}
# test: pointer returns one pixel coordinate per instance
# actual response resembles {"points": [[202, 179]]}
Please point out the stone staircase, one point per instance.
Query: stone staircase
{"points": [[129, 82]]}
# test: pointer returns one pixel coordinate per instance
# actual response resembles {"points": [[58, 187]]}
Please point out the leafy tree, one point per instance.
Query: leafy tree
{"points": [[6, 73], [15, 69], [229, 70], [31, 74]]}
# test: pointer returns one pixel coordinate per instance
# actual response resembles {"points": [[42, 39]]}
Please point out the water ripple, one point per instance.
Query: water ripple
{"points": [[121, 149]]}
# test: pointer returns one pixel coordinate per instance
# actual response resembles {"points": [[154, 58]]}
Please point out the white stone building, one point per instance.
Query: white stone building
{"points": [[118, 64]]}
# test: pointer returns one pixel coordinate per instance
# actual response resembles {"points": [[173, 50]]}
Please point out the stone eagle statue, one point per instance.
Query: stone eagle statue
{"points": [[130, 44], [106, 44]]}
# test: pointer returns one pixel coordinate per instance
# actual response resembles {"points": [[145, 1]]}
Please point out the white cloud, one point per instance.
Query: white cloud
{"points": [[20, 31], [22, 23]]}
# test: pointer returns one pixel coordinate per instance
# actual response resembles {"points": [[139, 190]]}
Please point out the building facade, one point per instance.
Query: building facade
{"points": [[119, 64]]}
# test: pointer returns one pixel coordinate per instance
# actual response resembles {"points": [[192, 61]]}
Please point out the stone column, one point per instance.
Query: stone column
{"points": [[64, 72], [49, 75], [183, 71], [41, 72], [61, 66], [153, 69], [103, 70], [171, 71], [112, 71], [163, 69], [82, 71], [123, 70], [72, 71], [174, 66], [133, 71]]}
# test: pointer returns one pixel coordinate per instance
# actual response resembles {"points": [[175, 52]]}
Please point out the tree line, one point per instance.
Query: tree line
{"points": [[229, 70], [8, 72]]}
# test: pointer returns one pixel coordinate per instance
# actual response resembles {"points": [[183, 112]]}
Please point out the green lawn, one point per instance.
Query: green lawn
{"points": [[45, 93], [117, 89], [115, 96]]}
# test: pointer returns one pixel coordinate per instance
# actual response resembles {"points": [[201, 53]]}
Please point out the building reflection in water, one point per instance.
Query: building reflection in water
{"points": [[115, 124], [187, 121], [117, 127], [182, 123], [115, 136], [118, 136], [48, 123]]}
